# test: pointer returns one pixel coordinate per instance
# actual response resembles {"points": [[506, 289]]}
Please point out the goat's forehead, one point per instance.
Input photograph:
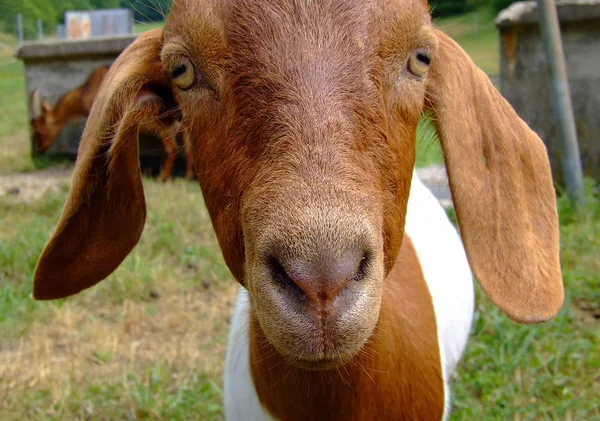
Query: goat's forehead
{"points": [[273, 21]]}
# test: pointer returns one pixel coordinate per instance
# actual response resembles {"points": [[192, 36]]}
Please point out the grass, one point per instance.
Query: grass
{"points": [[14, 147], [429, 150], [545, 372], [480, 41], [149, 342], [140, 27]]}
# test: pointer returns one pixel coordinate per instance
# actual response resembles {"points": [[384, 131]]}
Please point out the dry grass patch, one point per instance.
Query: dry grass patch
{"points": [[81, 345]]}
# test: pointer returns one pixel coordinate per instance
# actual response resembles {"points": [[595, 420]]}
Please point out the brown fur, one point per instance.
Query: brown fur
{"points": [[49, 121], [502, 189], [303, 121]]}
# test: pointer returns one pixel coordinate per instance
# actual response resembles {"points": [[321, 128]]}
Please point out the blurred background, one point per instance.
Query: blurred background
{"points": [[150, 341], [52, 13]]}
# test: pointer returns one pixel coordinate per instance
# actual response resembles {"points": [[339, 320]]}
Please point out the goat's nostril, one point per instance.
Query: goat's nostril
{"points": [[362, 268], [321, 279], [282, 278]]}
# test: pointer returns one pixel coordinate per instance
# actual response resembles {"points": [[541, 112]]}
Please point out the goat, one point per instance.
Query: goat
{"points": [[356, 295], [47, 122]]}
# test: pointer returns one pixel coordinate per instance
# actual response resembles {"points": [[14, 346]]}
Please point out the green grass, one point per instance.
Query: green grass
{"points": [[12, 86], [480, 41], [429, 150], [140, 27], [146, 399], [545, 372], [14, 148]]}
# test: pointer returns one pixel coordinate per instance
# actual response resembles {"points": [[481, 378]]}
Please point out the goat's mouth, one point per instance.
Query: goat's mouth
{"points": [[38, 147], [317, 340], [39, 151], [316, 350], [323, 364]]}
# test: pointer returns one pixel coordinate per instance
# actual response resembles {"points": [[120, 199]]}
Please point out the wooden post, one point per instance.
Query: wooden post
{"points": [[40, 29], [561, 102], [20, 27]]}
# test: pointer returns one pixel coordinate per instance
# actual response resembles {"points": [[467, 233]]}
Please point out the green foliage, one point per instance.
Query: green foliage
{"points": [[105, 4], [498, 5], [31, 11], [445, 8], [442, 8], [51, 12], [429, 150], [148, 10]]}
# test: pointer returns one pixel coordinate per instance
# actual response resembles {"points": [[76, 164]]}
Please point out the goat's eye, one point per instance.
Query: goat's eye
{"points": [[418, 63], [183, 73]]}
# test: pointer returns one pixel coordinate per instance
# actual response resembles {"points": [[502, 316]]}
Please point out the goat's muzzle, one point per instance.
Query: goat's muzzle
{"points": [[315, 272]]}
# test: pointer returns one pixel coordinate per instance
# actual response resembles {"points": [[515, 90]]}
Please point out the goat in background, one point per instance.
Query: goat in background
{"points": [[48, 121]]}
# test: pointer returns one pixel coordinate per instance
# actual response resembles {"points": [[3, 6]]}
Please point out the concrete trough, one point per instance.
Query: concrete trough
{"points": [[57, 66], [525, 82]]}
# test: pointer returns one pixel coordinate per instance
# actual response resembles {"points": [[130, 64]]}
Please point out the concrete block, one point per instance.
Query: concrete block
{"points": [[57, 66], [524, 79]]}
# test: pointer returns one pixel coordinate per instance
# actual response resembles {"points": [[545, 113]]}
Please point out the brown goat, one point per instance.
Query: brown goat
{"points": [[357, 296], [47, 122]]}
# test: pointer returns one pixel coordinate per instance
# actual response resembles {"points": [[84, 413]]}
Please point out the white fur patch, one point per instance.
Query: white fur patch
{"points": [[241, 400], [447, 273]]}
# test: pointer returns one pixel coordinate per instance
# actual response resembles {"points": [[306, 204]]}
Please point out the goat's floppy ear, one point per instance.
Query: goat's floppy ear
{"points": [[502, 188], [105, 212]]}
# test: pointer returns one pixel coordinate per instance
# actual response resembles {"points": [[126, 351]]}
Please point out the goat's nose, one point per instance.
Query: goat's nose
{"points": [[322, 277]]}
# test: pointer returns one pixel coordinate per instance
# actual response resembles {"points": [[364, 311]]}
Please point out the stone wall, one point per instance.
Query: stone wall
{"points": [[58, 66], [525, 81]]}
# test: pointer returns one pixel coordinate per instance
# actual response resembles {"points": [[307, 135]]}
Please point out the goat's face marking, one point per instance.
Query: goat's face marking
{"points": [[303, 123]]}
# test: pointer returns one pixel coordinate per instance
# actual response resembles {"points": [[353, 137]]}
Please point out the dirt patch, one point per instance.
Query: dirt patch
{"points": [[588, 311], [29, 187]]}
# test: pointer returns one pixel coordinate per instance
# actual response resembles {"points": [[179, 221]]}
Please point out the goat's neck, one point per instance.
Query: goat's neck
{"points": [[397, 375], [68, 107]]}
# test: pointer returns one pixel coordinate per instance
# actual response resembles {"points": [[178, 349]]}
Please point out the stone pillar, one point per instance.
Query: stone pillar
{"points": [[524, 79]]}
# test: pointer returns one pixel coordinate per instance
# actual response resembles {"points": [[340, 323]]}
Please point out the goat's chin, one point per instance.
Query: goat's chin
{"points": [[324, 364], [321, 361], [310, 347], [315, 338]]}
